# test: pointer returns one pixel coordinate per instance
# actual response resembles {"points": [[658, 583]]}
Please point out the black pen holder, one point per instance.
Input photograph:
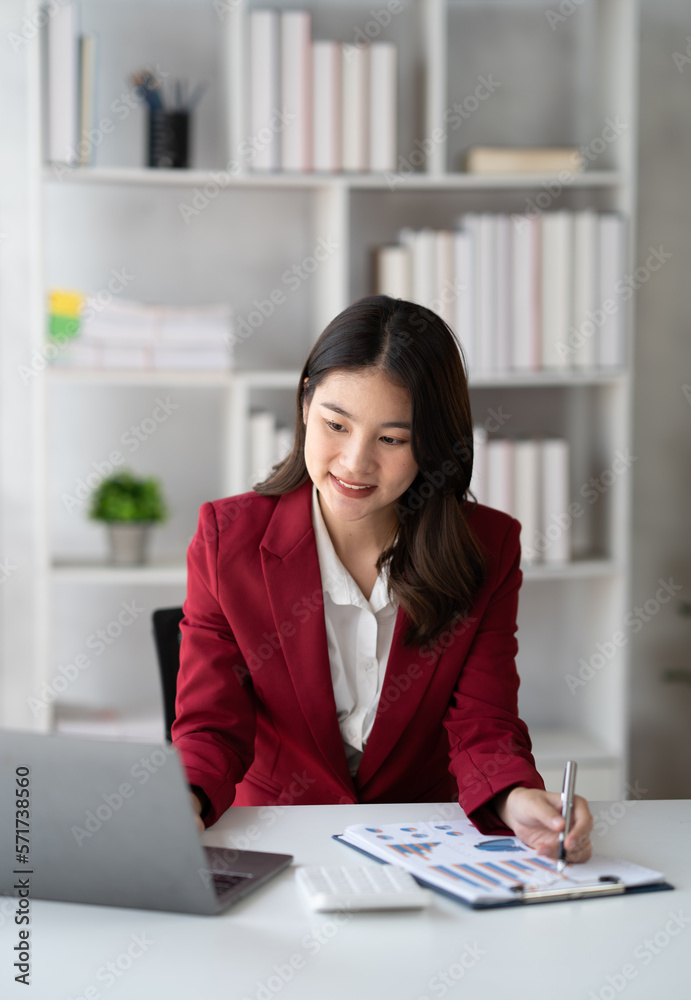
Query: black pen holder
{"points": [[168, 138]]}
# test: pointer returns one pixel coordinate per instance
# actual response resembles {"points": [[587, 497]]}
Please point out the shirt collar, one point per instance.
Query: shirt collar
{"points": [[336, 580]]}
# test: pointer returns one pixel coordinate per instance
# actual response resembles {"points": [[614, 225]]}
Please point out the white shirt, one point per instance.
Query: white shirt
{"points": [[359, 634]]}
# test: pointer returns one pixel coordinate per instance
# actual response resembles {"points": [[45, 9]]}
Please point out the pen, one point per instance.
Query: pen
{"points": [[567, 793]]}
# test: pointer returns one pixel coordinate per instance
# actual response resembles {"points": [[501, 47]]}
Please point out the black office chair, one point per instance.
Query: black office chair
{"points": [[167, 635]]}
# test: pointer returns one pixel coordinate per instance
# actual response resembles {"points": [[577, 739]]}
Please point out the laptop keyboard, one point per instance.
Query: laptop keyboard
{"points": [[224, 881]]}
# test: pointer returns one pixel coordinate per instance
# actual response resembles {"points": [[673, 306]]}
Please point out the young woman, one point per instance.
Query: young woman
{"points": [[349, 629]]}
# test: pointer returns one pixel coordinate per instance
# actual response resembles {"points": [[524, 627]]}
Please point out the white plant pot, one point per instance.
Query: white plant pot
{"points": [[128, 543]]}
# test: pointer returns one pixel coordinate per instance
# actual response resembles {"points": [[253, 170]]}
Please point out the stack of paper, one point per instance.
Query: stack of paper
{"points": [[127, 334]]}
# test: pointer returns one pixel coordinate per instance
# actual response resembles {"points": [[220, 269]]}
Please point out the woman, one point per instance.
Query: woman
{"points": [[349, 629]]}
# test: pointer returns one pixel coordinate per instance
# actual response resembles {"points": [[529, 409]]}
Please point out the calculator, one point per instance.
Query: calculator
{"points": [[368, 887]]}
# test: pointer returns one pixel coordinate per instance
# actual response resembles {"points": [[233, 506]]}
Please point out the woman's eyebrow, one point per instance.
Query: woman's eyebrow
{"points": [[405, 424]]}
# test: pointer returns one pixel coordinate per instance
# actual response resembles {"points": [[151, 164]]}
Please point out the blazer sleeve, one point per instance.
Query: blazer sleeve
{"points": [[215, 713], [489, 745]]}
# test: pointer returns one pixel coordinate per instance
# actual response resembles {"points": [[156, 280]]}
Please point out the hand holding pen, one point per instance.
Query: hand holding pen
{"points": [[536, 817]]}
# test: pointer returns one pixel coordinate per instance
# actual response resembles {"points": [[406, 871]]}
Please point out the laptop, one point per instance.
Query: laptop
{"points": [[111, 823]]}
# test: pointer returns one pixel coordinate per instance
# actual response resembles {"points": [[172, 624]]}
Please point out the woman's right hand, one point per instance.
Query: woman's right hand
{"points": [[197, 810]]}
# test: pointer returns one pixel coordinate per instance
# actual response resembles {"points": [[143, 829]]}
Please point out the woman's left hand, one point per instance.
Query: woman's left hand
{"points": [[535, 817]]}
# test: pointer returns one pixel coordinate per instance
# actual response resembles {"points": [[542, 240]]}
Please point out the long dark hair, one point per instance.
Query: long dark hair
{"points": [[435, 565]]}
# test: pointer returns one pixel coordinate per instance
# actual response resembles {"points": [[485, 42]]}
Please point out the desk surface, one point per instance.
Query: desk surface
{"points": [[270, 944]]}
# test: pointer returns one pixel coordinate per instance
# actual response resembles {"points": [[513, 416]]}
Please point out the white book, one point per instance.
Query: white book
{"points": [[326, 93], [265, 89], [355, 108], [296, 89], [555, 520], [526, 488], [583, 333], [464, 289], [383, 106], [424, 270], [63, 82], [500, 489], [486, 291], [262, 445], [393, 272], [526, 306], [557, 285], [443, 302], [611, 244], [478, 482], [502, 361]]}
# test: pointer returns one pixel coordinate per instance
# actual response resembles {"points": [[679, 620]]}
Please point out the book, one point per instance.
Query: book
{"points": [[264, 88], [526, 291], [393, 272], [583, 340], [610, 308], [355, 108], [296, 90], [87, 98], [464, 291], [557, 262], [499, 487], [526, 496], [555, 520], [382, 106], [326, 107], [485, 871], [62, 84], [514, 160]]}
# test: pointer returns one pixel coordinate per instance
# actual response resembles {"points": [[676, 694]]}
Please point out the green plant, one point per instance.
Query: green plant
{"points": [[129, 498]]}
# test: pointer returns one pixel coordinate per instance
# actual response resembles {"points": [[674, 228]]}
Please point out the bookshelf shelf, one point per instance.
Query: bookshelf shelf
{"points": [[558, 88], [451, 181], [97, 574]]}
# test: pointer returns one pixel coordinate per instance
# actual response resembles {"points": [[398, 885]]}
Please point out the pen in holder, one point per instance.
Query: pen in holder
{"points": [[169, 117], [168, 138]]}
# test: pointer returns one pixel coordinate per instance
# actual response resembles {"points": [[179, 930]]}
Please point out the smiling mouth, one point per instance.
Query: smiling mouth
{"points": [[351, 486]]}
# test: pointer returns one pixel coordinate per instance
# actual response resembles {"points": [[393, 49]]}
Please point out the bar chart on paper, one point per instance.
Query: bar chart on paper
{"points": [[486, 870]]}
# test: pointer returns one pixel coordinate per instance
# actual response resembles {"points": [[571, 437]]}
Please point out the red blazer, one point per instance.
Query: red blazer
{"points": [[256, 718]]}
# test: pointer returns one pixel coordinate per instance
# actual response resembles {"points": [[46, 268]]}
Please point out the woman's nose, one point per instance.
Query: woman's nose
{"points": [[357, 455]]}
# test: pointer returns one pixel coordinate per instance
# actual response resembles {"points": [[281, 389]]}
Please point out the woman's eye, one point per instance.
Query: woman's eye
{"points": [[390, 440], [334, 426]]}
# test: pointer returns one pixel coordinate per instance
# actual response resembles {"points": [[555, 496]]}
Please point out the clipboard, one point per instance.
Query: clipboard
{"points": [[605, 886]]}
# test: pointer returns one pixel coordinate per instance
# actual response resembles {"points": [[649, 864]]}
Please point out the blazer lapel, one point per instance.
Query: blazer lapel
{"points": [[405, 681], [293, 582]]}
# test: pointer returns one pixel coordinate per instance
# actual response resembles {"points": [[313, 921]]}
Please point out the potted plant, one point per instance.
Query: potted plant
{"points": [[129, 505]]}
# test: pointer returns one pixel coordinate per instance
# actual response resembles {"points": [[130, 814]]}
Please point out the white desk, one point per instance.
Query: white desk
{"points": [[554, 951]]}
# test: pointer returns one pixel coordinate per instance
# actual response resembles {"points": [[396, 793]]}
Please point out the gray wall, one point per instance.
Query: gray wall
{"points": [[660, 710]]}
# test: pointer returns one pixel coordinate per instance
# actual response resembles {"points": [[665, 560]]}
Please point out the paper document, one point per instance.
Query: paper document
{"points": [[481, 869]]}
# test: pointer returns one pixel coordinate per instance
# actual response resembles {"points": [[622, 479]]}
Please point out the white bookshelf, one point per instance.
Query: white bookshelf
{"points": [[558, 88]]}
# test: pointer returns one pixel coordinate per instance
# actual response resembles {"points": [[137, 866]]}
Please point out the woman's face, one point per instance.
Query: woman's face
{"points": [[357, 444]]}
